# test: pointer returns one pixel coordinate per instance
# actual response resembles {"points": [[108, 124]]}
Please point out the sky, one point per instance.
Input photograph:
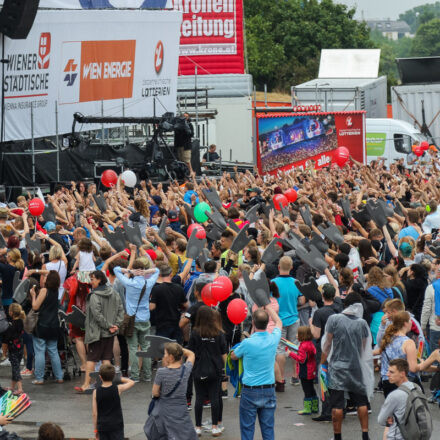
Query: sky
{"points": [[382, 8]]}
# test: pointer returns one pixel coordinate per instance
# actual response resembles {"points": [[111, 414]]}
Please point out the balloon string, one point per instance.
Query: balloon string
{"points": [[233, 333]]}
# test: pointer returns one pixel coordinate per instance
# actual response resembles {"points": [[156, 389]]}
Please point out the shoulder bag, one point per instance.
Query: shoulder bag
{"points": [[127, 326], [155, 399]]}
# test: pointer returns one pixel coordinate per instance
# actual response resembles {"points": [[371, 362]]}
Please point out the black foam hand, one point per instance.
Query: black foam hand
{"points": [[272, 253], [133, 234], [116, 239], [189, 211], [213, 198], [195, 245], [258, 289], [435, 249], [319, 243], [294, 241], [309, 290], [213, 233], [377, 214], [306, 216], [100, 202], [362, 216], [49, 214], [156, 347], [345, 204], [313, 258], [387, 209], [241, 240], [232, 225], [332, 233], [76, 317], [21, 291], [252, 214], [33, 245], [217, 219], [162, 227]]}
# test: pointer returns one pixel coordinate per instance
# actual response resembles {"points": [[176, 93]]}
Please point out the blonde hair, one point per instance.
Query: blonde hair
{"points": [[55, 253], [286, 263], [376, 277], [14, 256], [16, 311]]}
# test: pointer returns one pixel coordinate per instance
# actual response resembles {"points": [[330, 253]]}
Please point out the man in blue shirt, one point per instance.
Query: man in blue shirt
{"points": [[258, 394], [289, 299], [135, 286], [413, 229]]}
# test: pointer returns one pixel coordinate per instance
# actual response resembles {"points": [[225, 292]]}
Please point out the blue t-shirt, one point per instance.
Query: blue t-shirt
{"points": [[409, 231], [288, 299], [258, 353]]}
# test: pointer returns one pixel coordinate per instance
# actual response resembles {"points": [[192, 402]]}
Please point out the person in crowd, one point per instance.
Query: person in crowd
{"points": [[13, 264], [169, 418], [350, 367], [84, 261], [50, 431], [211, 155], [208, 343], [258, 393], [104, 316], [432, 220], [45, 336], [288, 301], [106, 405]]}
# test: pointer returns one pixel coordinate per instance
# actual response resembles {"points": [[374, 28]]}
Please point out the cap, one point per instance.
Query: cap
{"points": [[157, 199], [50, 226], [433, 148], [152, 254], [255, 190], [173, 215]]}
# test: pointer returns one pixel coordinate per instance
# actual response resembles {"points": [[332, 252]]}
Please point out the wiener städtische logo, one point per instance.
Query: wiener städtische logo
{"points": [[158, 57], [97, 70]]}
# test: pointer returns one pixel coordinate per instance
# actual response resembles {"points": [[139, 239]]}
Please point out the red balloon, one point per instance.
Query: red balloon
{"points": [[201, 233], [36, 207], [109, 178], [424, 146], [237, 311], [221, 288], [291, 195], [280, 199], [341, 155], [418, 151], [207, 297]]}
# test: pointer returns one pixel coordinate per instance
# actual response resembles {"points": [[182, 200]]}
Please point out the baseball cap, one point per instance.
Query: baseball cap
{"points": [[173, 215], [255, 190], [433, 148], [157, 199], [50, 226], [152, 254]]}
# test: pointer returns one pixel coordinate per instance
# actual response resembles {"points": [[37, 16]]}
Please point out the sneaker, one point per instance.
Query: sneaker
{"points": [[322, 418], [221, 427], [198, 432], [206, 404], [279, 387], [5, 363], [26, 373], [134, 380], [189, 406], [216, 432], [224, 394], [294, 381], [351, 412], [22, 363]]}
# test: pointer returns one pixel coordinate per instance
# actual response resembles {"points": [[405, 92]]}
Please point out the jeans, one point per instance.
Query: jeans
{"points": [[261, 402], [27, 339], [40, 347], [434, 338], [141, 329]]}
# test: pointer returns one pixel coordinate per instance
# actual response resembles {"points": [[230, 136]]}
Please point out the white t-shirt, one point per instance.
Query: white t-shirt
{"points": [[59, 267], [86, 263]]}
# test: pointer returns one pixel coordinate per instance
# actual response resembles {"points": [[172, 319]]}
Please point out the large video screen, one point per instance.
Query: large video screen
{"points": [[285, 140]]}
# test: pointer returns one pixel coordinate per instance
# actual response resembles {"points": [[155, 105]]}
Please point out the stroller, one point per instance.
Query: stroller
{"points": [[67, 356]]}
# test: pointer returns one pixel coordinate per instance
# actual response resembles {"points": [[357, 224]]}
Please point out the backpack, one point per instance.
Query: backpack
{"points": [[417, 421]]}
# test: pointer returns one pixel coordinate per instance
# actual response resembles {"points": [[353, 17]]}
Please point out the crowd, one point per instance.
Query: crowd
{"points": [[350, 275]]}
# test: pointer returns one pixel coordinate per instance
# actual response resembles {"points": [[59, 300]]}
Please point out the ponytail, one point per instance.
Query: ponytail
{"points": [[399, 320]]}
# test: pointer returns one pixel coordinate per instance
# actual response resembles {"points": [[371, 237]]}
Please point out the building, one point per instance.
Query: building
{"points": [[392, 29]]}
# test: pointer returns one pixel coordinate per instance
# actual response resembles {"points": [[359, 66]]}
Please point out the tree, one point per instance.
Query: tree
{"points": [[426, 43], [420, 15], [285, 38]]}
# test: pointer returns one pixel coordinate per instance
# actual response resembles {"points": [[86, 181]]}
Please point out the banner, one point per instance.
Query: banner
{"points": [[85, 60], [211, 36], [287, 140], [101, 4]]}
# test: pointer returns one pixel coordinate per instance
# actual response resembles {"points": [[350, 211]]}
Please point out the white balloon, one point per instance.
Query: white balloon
{"points": [[129, 178]]}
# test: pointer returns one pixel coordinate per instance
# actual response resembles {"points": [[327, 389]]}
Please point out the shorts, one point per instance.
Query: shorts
{"points": [[101, 350], [337, 399], [290, 333], [184, 155], [76, 332]]}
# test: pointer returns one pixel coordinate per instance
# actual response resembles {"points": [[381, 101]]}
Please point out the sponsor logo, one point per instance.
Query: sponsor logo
{"points": [[97, 70], [323, 160], [349, 121], [70, 70], [44, 51], [158, 57]]}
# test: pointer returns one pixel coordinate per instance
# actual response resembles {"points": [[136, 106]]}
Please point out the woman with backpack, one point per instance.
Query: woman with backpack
{"points": [[208, 343], [395, 344]]}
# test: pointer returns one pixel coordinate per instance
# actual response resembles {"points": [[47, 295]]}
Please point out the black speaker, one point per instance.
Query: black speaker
{"points": [[17, 18], [195, 157]]}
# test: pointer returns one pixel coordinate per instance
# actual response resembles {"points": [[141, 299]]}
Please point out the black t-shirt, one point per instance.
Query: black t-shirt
{"points": [[321, 316], [216, 347], [211, 157], [168, 298], [191, 313]]}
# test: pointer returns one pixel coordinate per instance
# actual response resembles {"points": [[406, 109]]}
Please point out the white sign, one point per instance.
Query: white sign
{"points": [[84, 59], [102, 4]]}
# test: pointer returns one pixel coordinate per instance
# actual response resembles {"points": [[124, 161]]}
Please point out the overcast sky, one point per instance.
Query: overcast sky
{"points": [[382, 8]]}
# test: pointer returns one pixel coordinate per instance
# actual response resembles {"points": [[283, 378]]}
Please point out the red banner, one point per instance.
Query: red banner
{"points": [[211, 36], [288, 140]]}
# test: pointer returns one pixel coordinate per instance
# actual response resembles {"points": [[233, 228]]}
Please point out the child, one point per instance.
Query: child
{"points": [[85, 260], [306, 368], [107, 410], [13, 337]]}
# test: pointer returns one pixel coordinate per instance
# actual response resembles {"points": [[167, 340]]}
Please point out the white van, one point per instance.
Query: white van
{"points": [[390, 138]]}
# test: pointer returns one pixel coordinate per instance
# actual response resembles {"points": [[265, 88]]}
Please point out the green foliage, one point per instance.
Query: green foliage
{"points": [[420, 15], [285, 38], [427, 40]]}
